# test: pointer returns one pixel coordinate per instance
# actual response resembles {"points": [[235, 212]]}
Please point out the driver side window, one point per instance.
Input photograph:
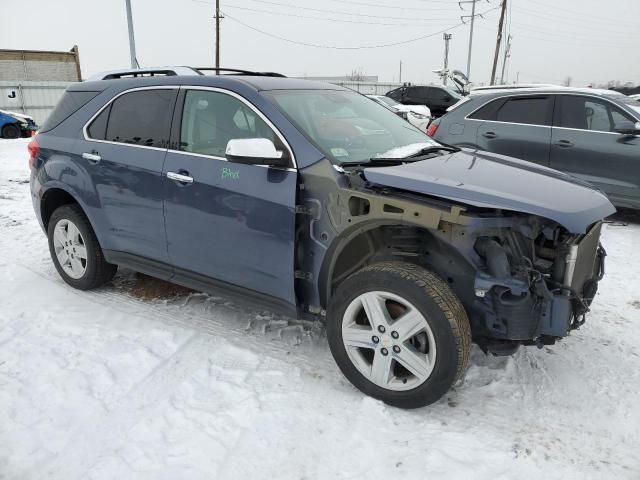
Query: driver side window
{"points": [[210, 119]]}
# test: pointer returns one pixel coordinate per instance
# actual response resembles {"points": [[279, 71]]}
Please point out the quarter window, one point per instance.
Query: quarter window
{"points": [[211, 119], [140, 118]]}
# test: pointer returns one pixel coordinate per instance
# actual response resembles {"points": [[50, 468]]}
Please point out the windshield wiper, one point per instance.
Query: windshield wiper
{"points": [[419, 154]]}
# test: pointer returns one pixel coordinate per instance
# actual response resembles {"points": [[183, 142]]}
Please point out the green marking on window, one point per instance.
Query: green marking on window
{"points": [[228, 174]]}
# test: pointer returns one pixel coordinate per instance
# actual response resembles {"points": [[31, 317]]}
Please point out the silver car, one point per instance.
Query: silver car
{"points": [[592, 134]]}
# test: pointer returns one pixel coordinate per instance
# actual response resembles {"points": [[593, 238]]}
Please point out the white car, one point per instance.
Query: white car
{"points": [[635, 97], [417, 115]]}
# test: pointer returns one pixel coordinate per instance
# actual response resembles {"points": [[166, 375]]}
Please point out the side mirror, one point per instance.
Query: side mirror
{"points": [[627, 128], [254, 151]]}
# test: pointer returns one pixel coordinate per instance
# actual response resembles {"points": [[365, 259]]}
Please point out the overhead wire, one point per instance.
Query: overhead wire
{"points": [[359, 47]]}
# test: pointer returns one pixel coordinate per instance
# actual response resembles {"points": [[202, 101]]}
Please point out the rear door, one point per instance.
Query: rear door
{"points": [[123, 152], [585, 144], [232, 223], [518, 126]]}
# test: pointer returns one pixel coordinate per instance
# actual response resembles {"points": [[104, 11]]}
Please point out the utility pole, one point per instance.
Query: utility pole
{"points": [[447, 38], [400, 78], [473, 19], [217, 36], [132, 40], [507, 54], [498, 41]]}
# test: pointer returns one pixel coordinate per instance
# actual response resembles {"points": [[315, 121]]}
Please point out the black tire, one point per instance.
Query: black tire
{"points": [[437, 303], [98, 270], [11, 131]]}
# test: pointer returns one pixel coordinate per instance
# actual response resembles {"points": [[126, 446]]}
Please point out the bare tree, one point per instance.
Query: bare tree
{"points": [[567, 81], [356, 75]]}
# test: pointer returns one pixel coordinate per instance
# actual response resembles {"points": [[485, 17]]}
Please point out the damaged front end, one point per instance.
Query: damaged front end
{"points": [[537, 284]]}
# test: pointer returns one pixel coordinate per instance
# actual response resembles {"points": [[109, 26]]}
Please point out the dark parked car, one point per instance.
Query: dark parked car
{"points": [[592, 134], [437, 98], [313, 200]]}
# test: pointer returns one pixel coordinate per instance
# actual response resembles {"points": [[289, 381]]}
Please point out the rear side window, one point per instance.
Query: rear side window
{"points": [[70, 103], [140, 118], [526, 110], [531, 111]]}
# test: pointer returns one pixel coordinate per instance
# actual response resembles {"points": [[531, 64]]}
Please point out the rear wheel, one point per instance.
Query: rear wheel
{"points": [[10, 131], [75, 250], [399, 334]]}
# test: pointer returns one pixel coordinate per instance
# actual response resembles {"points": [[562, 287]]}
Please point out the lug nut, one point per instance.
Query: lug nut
{"points": [[394, 334], [384, 352], [381, 329], [396, 348], [375, 339]]}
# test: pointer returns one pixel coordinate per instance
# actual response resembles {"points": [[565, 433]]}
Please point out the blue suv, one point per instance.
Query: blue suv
{"points": [[310, 199]]}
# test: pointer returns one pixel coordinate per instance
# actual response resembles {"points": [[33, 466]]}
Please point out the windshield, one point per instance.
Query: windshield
{"points": [[349, 127], [389, 101]]}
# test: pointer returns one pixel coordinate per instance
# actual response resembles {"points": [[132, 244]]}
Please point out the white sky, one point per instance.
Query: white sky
{"points": [[553, 39]]}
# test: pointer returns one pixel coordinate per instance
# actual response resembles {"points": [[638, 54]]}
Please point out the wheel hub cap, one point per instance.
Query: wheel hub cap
{"points": [[70, 249], [401, 358]]}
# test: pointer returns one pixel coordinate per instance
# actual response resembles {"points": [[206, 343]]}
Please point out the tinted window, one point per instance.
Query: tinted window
{"points": [[211, 119], [395, 94], [98, 128], [141, 118], [488, 111], [69, 104], [532, 111], [587, 113], [419, 92]]}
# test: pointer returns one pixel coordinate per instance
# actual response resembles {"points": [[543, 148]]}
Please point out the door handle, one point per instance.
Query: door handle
{"points": [[564, 143], [92, 157], [489, 135], [179, 177]]}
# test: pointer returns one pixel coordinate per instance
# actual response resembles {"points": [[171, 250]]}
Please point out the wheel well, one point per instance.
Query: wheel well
{"points": [[52, 200], [412, 244]]}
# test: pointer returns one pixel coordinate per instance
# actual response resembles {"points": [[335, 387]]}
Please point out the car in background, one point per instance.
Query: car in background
{"points": [[438, 98], [16, 125], [417, 115], [635, 97], [589, 133]]}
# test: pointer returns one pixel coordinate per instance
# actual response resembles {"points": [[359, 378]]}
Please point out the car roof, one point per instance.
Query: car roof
{"points": [[257, 82], [527, 89]]}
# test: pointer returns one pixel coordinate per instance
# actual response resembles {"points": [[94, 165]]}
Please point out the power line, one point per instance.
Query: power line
{"points": [[334, 47], [395, 7], [320, 10], [362, 22]]}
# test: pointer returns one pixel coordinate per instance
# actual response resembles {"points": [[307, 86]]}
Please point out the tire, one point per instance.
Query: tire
{"points": [[437, 355], [93, 270], [11, 131]]}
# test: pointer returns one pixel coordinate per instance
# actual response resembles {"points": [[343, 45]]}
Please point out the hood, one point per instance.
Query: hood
{"points": [[488, 180], [17, 116]]}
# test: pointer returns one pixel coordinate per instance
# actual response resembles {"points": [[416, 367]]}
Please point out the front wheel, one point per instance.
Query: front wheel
{"points": [[11, 131], [399, 334]]}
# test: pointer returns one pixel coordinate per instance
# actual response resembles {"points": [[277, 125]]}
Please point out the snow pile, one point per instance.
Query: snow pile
{"points": [[104, 385]]}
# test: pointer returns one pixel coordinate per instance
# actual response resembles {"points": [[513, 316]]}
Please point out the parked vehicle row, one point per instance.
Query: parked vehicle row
{"points": [[16, 125], [591, 134], [436, 98], [314, 200], [417, 115]]}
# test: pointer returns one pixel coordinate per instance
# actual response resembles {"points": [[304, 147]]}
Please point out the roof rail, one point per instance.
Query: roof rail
{"points": [[146, 72], [240, 72]]}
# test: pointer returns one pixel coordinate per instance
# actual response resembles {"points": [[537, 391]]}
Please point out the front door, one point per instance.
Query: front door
{"points": [[585, 144], [228, 222]]}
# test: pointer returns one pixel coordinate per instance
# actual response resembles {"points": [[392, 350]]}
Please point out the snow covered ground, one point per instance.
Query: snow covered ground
{"points": [[111, 384]]}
